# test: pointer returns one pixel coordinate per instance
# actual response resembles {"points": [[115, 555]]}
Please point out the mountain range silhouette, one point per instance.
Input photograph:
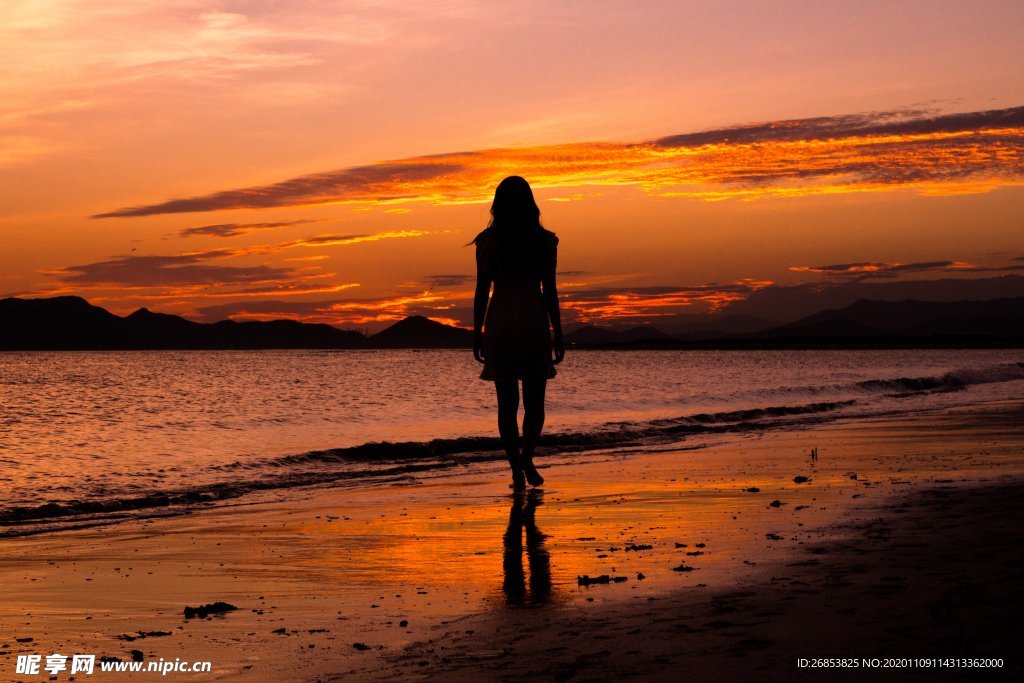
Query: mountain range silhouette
{"points": [[72, 323]]}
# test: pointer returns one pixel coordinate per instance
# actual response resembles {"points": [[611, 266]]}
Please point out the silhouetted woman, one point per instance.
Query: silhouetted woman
{"points": [[514, 339]]}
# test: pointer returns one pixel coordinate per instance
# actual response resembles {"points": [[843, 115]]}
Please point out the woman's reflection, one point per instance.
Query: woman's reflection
{"points": [[522, 516]]}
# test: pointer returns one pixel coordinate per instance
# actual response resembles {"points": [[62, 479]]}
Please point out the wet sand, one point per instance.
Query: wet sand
{"points": [[917, 584], [903, 542]]}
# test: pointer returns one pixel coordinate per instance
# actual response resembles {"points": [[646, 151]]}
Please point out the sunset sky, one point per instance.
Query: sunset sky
{"points": [[328, 160]]}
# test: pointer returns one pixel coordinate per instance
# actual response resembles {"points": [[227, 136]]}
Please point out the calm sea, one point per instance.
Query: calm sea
{"points": [[91, 433]]}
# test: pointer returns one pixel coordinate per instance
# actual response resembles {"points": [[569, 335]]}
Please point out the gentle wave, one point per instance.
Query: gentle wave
{"points": [[957, 379], [388, 459], [384, 460], [950, 381]]}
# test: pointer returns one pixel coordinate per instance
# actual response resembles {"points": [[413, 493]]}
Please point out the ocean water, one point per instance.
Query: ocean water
{"points": [[91, 434]]}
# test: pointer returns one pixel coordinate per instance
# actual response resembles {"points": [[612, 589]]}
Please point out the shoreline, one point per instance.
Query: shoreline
{"points": [[337, 567], [885, 598]]}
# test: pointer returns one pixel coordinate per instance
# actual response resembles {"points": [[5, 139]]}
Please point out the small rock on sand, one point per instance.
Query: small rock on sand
{"points": [[586, 580], [204, 610]]}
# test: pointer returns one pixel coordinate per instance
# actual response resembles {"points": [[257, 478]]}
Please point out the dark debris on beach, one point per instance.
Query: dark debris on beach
{"points": [[587, 580], [204, 611], [129, 637]]}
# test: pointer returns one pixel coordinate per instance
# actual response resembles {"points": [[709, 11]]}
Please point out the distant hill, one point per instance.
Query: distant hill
{"points": [[716, 325], [595, 335], [589, 335], [417, 332], [70, 322], [910, 318], [863, 323], [788, 303]]}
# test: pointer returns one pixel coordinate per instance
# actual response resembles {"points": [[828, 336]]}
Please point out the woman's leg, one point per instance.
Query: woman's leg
{"points": [[533, 424], [508, 427]]}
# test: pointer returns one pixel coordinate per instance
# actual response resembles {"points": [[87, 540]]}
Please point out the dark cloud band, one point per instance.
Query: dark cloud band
{"points": [[793, 157]]}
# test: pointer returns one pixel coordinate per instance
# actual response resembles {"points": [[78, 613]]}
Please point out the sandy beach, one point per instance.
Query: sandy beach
{"points": [[901, 540]]}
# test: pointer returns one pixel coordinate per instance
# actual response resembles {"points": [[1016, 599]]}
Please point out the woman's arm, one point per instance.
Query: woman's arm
{"points": [[483, 291], [551, 301]]}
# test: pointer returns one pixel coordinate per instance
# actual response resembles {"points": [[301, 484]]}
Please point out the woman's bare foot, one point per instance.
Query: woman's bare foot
{"points": [[532, 475], [518, 479]]}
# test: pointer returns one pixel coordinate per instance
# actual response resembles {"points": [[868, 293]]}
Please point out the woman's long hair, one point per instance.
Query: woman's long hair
{"points": [[514, 209], [516, 228]]}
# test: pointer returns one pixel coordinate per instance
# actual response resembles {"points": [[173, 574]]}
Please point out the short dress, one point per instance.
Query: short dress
{"points": [[517, 334]]}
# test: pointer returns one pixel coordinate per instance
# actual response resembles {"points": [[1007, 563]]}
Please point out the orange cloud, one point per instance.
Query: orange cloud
{"points": [[340, 312], [877, 269], [335, 240], [237, 229], [653, 302], [585, 305], [970, 152], [195, 267], [199, 275]]}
